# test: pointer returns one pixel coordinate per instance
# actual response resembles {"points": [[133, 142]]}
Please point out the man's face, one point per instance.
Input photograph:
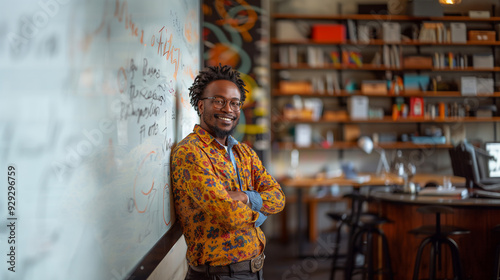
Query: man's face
{"points": [[219, 122]]}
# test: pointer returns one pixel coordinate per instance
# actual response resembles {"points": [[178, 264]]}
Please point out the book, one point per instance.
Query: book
{"points": [[386, 56], [334, 55], [293, 56], [329, 84], [336, 84], [283, 55], [377, 60], [312, 57], [355, 58], [364, 33], [396, 57], [351, 27]]}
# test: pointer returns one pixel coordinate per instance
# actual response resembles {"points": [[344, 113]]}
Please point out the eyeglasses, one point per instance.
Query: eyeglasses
{"points": [[220, 102]]}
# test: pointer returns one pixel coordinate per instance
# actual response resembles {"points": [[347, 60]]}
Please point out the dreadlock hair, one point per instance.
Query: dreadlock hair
{"points": [[214, 73]]}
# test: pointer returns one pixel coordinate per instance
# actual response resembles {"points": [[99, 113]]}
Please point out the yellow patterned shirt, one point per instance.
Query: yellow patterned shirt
{"points": [[219, 230]]}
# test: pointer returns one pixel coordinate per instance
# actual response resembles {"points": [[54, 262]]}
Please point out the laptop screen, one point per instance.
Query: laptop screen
{"points": [[493, 148]]}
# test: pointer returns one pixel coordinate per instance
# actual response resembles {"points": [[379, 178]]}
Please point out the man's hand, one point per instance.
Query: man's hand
{"points": [[238, 195]]}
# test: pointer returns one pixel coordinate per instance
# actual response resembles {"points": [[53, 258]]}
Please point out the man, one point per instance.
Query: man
{"points": [[222, 192]]}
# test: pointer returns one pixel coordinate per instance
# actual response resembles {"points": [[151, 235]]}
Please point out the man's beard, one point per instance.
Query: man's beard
{"points": [[219, 133]]}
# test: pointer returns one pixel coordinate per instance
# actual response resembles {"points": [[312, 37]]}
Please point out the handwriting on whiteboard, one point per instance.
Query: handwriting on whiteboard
{"points": [[165, 49]]}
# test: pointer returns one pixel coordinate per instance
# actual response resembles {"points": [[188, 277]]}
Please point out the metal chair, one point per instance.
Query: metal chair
{"points": [[437, 235], [360, 224]]}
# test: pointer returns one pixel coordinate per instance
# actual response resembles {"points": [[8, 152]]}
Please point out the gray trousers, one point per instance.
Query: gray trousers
{"points": [[246, 275]]}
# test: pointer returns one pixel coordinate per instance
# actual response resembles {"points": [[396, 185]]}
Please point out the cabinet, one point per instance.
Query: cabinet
{"points": [[363, 63]]}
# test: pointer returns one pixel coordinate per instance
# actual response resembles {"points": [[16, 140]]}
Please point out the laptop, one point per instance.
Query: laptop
{"points": [[488, 163], [493, 148]]}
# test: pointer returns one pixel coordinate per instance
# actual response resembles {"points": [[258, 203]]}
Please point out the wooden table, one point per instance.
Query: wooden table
{"points": [[363, 180], [477, 249]]}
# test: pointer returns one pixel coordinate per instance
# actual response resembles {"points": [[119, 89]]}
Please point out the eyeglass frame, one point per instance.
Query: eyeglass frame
{"points": [[225, 102]]}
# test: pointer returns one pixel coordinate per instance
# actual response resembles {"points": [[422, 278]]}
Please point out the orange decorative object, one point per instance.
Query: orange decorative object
{"points": [[395, 111], [223, 54], [442, 110]]}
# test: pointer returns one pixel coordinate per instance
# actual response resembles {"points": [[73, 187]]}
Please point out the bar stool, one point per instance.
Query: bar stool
{"points": [[359, 224], [436, 235]]}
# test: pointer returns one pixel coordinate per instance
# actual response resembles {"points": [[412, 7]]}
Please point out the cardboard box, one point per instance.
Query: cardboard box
{"points": [[417, 61], [468, 85], [482, 35], [374, 87], [482, 61], [328, 33], [387, 137], [335, 115], [370, 9], [479, 14], [425, 8], [351, 132], [295, 87], [484, 86], [298, 114]]}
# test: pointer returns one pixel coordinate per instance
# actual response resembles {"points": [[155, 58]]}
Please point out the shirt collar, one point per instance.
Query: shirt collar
{"points": [[231, 142], [207, 138]]}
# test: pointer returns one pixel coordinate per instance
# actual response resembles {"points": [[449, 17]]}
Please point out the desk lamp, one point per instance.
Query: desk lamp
{"points": [[365, 143]]}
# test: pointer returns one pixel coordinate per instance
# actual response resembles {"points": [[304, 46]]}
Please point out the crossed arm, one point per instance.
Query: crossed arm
{"points": [[195, 176]]}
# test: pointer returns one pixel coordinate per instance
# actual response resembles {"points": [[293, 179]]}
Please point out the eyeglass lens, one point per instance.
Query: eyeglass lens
{"points": [[220, 102]]}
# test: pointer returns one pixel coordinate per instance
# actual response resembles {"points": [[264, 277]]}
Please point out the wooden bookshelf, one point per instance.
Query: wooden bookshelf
{"points": [[382, 17], [325, 69], [389, 120], [353, 145], [381, 42], [278, 93], [369, 67]]}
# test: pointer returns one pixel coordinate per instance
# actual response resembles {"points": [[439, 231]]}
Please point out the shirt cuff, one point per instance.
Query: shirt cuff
{"points": [[260, 220], [254, 200]]}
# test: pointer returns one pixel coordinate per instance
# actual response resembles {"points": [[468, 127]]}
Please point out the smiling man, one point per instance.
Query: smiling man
{"points": [[222, 192]]}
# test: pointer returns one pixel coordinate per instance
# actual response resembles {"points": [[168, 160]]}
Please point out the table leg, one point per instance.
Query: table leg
{"points": [[300, 233], [312, 214]]}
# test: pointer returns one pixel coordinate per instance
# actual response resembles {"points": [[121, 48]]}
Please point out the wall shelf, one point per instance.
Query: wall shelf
{"points": [[306, 61], [382, 17], [381, 42], [368, 67], [354, 145], [278, 93], [389, 120]]}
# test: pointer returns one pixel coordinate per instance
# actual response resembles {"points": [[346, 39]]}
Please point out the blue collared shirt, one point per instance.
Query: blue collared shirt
{"points": [[253, 196]]}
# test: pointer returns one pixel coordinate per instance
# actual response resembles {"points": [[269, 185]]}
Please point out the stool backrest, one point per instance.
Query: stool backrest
{"points": [[357, 202]]}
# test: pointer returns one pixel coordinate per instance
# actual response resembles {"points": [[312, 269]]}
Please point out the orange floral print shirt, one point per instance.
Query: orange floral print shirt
{"points": [[217, 229]]}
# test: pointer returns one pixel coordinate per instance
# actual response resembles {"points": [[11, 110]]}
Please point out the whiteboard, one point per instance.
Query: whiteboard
{"points": [[94, 94]]}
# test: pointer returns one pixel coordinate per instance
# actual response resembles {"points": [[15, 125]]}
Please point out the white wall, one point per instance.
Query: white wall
{"points": [[174, 265]]}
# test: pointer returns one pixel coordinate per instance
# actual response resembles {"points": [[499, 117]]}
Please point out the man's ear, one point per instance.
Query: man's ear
{"points": [[201, 106]]}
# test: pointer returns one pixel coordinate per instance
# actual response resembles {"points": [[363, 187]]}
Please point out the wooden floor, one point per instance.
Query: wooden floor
{"points": [[282, 261]]}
